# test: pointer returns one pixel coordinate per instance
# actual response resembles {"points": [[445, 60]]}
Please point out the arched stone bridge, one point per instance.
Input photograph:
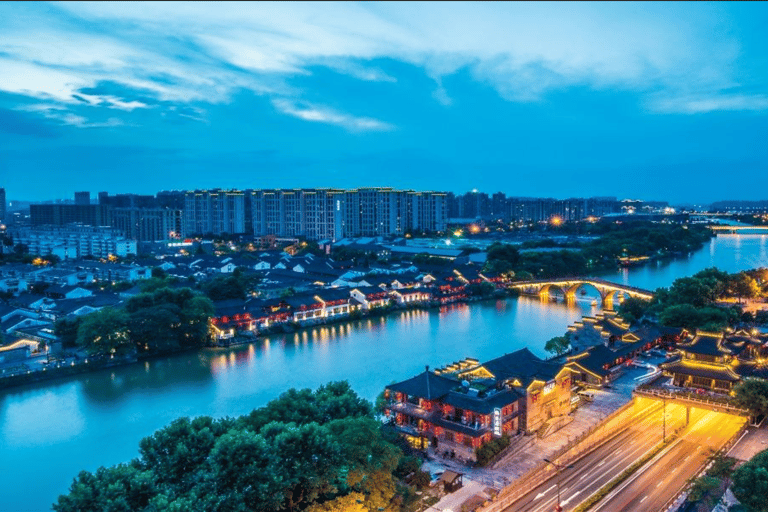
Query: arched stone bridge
{"points": [[569, 287]]}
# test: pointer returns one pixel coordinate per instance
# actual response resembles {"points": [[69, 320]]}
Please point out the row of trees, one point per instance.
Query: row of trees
{"points": [[613, 241], [310, 451], [154, 322], [691, 301]]}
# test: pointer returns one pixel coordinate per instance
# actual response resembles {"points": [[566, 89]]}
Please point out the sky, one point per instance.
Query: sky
{"points": [[657, 101]]}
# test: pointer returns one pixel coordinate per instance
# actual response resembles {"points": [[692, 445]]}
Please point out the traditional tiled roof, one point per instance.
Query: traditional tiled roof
{"points": [[482, 405], [522, 365], [425, 385], [698, 369]]}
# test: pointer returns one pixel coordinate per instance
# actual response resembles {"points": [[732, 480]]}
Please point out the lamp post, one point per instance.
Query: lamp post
{"points": [[559, 467]]}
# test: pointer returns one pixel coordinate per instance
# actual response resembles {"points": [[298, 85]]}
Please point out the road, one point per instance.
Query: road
{"points": [[599, 467], [654, 485]]}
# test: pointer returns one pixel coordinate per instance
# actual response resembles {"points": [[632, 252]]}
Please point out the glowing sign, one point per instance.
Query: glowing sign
{"points": [[549, 387], [497, 422]]}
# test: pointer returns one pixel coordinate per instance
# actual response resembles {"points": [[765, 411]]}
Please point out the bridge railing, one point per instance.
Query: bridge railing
{"points": [[705, 400]]}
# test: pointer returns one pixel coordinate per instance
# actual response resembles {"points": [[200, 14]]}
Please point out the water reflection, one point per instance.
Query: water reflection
{"points": [[98, 419]]}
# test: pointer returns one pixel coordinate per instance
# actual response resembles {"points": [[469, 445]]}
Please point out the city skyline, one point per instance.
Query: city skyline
{"points": [[655, 101]]}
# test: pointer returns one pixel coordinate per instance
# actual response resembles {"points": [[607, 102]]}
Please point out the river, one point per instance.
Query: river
{"points": [[51, 431]]}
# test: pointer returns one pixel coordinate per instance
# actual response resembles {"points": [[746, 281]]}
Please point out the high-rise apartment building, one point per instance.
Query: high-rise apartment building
{"points": [[334, 214], [82, 198], [215, 212], [148, 224], [2, 205], [63, 214]]}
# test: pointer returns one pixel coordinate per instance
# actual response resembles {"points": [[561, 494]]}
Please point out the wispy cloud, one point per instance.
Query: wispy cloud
{"points": [[714, 103], [205, 52], [318, 114], [65, 117]]}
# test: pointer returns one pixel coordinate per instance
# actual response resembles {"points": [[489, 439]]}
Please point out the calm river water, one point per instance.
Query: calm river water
{"points": [[49, 432]]}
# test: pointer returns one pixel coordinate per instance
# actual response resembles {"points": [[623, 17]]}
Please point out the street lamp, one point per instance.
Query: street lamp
{"points": [[559, 467]]}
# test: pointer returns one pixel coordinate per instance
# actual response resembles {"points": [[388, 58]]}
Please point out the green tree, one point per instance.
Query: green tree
{"points": [[66, 329], [104, 331], [558, 345], [750, 483], [743, 286], [633, 309], [752, 394]]}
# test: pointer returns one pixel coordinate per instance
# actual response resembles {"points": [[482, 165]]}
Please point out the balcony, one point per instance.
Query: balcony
{"points": [[413, 410]]}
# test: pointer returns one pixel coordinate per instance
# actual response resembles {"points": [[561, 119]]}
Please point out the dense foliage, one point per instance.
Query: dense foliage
{"points": [[558, 345], [233, 286], [691, 301], [160, 321], [750, 483], [752, 394], [488, 451], [612, 241], [309, 451]]}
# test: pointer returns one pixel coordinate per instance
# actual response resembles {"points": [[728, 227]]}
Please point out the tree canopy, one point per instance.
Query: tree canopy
{"points": [[309, 451]]}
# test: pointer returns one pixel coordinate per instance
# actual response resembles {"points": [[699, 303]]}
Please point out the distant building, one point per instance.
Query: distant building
{"points": [[2, 205], [215, 212], [148, 224], [743, 207], [82, 198], [75, 241], [333, 214], [63, 214]]}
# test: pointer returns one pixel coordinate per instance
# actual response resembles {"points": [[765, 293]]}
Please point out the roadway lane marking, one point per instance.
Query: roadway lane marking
{"points": [[538, 496], [688, 457], [565, 502], [645, 498], [601, 464], [658, 484]]}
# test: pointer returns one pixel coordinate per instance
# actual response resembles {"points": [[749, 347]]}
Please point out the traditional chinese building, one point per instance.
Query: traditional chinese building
{"points": [[468, 403], [718, 361]]}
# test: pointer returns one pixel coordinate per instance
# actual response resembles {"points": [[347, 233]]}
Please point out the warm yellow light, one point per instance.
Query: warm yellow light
{"points": [[556, 221], [458, 232]]}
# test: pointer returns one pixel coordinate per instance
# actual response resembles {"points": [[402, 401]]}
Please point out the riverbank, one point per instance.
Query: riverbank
{"points": [[32, 374]]}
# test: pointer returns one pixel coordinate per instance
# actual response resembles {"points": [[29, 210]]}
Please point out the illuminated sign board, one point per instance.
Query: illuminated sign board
{"points": [[497, 422], [549, 387]]}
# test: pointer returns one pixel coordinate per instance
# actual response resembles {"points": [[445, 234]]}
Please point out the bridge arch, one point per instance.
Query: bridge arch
{"points": [[574, 287], [546, 288]]}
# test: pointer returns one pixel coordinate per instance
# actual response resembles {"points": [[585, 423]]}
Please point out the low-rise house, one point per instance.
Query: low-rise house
{"points": [[231, 317], [370, 297], [19, 350], [406, 296], [306, 308], [13, 285], [67, 292]]}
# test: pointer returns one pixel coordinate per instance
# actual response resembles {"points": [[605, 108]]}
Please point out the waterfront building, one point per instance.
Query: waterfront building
{"points": [[75, 241], [214, 212], [466, 404], [718, 361]]}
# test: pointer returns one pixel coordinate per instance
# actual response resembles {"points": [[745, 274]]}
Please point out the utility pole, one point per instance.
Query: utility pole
{"points": [[559, 467]]}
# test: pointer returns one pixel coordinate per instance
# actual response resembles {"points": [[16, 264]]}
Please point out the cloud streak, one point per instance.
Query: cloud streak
{"points": [[200, 52]]}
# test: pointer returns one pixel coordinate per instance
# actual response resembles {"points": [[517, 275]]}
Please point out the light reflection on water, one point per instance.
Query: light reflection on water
{"points": [[99, 418]]}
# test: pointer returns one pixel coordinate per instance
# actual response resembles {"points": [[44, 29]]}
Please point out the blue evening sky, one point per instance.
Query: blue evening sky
{"points": [[643, 100]]}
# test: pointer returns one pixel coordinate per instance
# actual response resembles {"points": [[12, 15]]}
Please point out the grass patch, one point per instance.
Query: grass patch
{"points": [[604, 490]]}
